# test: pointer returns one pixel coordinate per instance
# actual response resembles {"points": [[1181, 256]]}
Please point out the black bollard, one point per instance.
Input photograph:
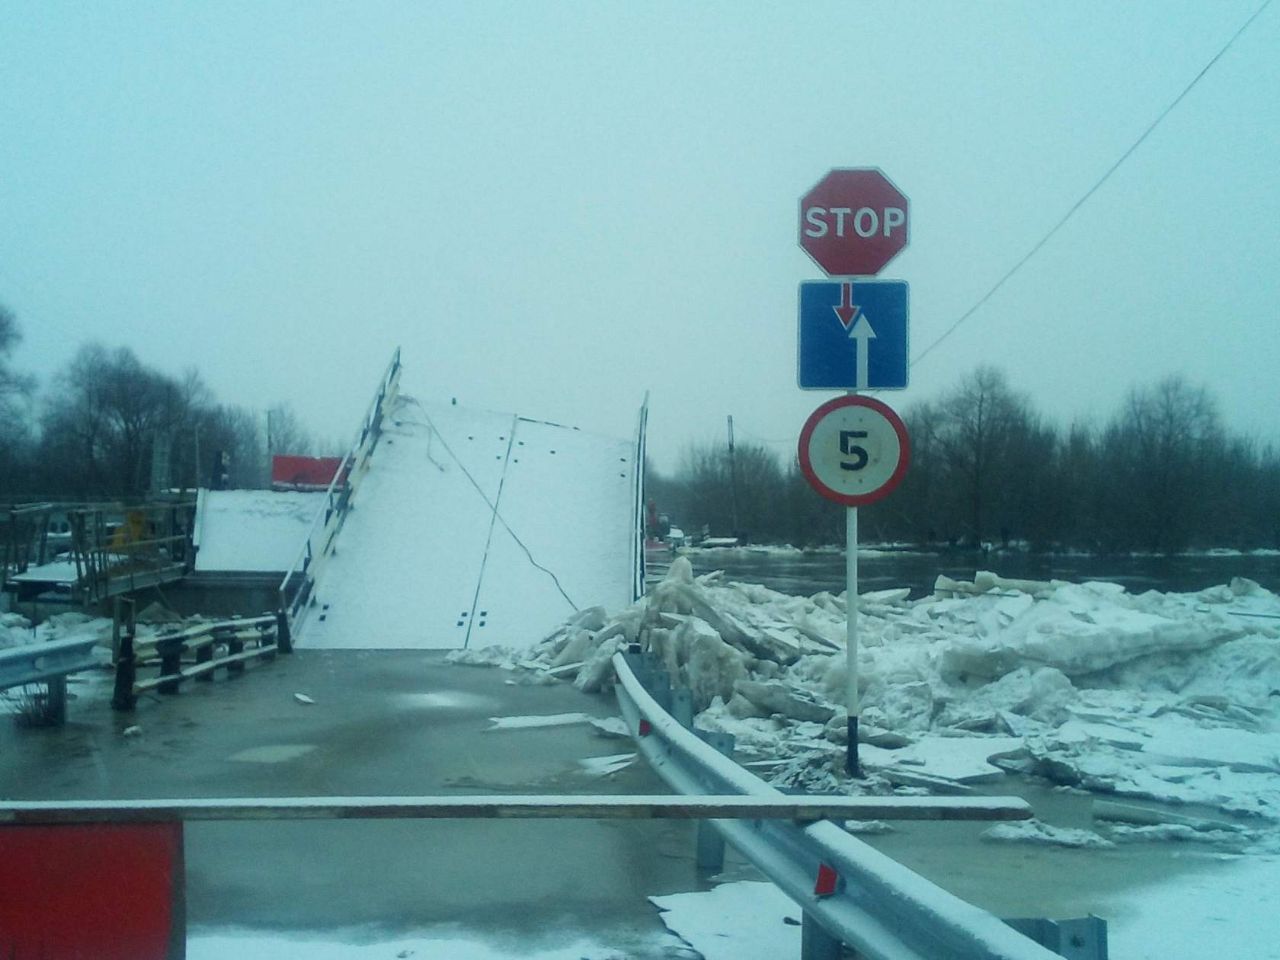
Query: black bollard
{"points": [[122, 697], [204, 654], [170, 650], [284, 642]]}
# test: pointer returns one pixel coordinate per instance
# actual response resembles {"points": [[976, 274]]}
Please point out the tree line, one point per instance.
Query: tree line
{"points": [[1162, 474], [109, 426]]}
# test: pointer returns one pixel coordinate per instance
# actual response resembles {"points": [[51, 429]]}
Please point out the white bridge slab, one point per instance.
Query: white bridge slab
{"points": [[474, 528]]}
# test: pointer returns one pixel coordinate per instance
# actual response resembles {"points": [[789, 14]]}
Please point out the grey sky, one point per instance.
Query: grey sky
{"points": [[553, 207]]}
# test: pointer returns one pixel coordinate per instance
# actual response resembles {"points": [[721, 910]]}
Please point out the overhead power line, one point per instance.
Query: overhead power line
{"points": [[1091, 191]]}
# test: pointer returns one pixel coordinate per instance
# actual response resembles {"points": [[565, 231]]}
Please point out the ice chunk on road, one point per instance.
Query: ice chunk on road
{"points": [[545, 720], [735, 921]]}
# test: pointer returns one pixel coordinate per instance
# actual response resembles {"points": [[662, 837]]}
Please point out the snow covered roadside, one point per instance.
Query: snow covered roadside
{"points": [[1167, 697], [357, 945]]}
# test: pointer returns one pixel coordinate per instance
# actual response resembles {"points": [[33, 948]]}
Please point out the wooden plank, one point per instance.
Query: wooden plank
{"points": [[517, 807], [186, 673]]}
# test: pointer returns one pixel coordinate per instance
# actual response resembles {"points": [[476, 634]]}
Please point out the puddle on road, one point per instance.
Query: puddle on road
{"points": [[446, 700], [274, 753]]}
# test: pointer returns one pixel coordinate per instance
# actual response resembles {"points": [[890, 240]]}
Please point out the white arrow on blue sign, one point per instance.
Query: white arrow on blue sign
{"points": [[853, 335]]}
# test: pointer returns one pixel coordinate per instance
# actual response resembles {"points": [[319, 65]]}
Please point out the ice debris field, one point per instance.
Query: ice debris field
{"points": [[1168, 697], [1159, 696]]}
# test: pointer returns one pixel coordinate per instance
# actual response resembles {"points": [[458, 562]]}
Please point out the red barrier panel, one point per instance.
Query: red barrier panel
{"points": [[92, 892]]}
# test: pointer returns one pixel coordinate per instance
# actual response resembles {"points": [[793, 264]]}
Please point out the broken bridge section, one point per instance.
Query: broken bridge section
{"points": [[472, 528]]}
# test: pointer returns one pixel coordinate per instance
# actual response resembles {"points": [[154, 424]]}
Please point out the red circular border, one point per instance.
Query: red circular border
{"points": [[856, 499]]}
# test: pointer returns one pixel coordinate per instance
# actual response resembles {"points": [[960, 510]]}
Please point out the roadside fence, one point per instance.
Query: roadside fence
{"points": [[190, 653]]}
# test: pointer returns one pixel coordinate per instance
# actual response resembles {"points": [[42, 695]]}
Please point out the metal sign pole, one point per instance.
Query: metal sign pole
{"points": [[851, 637]]}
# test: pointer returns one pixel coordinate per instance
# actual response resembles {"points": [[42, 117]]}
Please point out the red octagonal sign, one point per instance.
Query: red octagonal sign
{"points": [[853, 222]]}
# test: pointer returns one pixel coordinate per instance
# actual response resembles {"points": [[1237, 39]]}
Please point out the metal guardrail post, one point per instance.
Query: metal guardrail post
{"points": [[56, 705], [710, 841], [1084, 938], [815, 942]]}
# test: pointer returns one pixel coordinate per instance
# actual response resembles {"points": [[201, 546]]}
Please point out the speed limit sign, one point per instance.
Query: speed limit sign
{"points": [[854, 450]]}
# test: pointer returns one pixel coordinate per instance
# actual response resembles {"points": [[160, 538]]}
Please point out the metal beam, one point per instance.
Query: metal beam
{"points": [[609, 807]]}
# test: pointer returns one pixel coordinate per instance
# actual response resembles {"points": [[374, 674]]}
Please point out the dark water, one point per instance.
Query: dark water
{"points": [[809, 573]]}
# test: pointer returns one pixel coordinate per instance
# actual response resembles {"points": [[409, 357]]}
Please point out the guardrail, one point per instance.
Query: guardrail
{"points": [[47, 663], [262, 636], [849, 892], [300, 579]]}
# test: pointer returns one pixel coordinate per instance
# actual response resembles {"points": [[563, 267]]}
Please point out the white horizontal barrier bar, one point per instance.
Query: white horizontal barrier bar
{"points": [[607, 807]]}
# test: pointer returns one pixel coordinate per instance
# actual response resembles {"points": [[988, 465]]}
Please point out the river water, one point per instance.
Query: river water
{"points": [[804, 574]]}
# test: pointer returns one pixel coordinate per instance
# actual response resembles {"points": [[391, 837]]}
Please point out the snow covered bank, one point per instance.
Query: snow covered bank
{"points": [[253, 530], [1173, 697], [16, 629]]}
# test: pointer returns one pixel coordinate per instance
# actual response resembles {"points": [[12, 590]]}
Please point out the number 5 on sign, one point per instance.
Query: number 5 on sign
{"points": [[849, 448], [854, 450]]}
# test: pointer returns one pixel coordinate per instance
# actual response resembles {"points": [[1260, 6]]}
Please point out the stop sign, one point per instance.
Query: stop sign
{"points": [[853, 222]]}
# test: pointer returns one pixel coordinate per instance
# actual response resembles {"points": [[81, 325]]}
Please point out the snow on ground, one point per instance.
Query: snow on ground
{"points": [[735, 921], [253, 530], [358, 945], [16, 629]]}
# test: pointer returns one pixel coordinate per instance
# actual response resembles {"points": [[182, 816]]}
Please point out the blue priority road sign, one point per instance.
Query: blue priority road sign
{"points": [[853, 335]]}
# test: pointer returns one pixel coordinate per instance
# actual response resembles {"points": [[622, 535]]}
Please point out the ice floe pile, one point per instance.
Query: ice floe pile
{"points": [[16, 629], [1174, 697]]}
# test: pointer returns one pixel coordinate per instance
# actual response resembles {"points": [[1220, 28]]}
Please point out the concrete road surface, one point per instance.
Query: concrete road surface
{"points": [[382, 723]]}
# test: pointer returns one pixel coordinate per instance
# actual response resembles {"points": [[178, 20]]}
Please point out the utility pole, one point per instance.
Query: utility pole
{"points": [[733, 480]]}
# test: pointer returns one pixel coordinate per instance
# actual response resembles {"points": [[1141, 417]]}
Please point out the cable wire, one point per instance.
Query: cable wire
{"points": [[1092, 190], [494, 507]]}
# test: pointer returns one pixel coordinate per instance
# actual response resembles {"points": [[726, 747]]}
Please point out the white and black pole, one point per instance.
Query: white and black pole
{"points": [[853, 450], [851, 638]]}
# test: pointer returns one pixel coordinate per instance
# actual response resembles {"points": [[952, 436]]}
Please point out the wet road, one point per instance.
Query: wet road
{"points": [[405, 723], [383, 723]]}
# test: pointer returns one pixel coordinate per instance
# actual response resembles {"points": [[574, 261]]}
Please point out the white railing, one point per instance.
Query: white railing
{"points": [[300, 579], [638, 520], [855, 894], [204, 647]]}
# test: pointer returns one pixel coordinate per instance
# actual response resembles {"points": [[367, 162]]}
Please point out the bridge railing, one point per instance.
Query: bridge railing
{"points": [[849, 892], [25, 537], [638, 584], [204, 648], [299, 581]]}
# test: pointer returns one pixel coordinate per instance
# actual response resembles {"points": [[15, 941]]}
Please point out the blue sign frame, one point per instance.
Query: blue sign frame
{"points": [[827, 355]]}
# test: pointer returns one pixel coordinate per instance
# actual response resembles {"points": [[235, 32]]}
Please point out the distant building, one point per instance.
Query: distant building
{"points": [[303, 473]]}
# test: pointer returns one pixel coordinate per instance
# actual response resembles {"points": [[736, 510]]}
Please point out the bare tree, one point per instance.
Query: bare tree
{"points": [[1156, 458], [988, 441], [104, 414], [15, 418], [285, 432]]}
